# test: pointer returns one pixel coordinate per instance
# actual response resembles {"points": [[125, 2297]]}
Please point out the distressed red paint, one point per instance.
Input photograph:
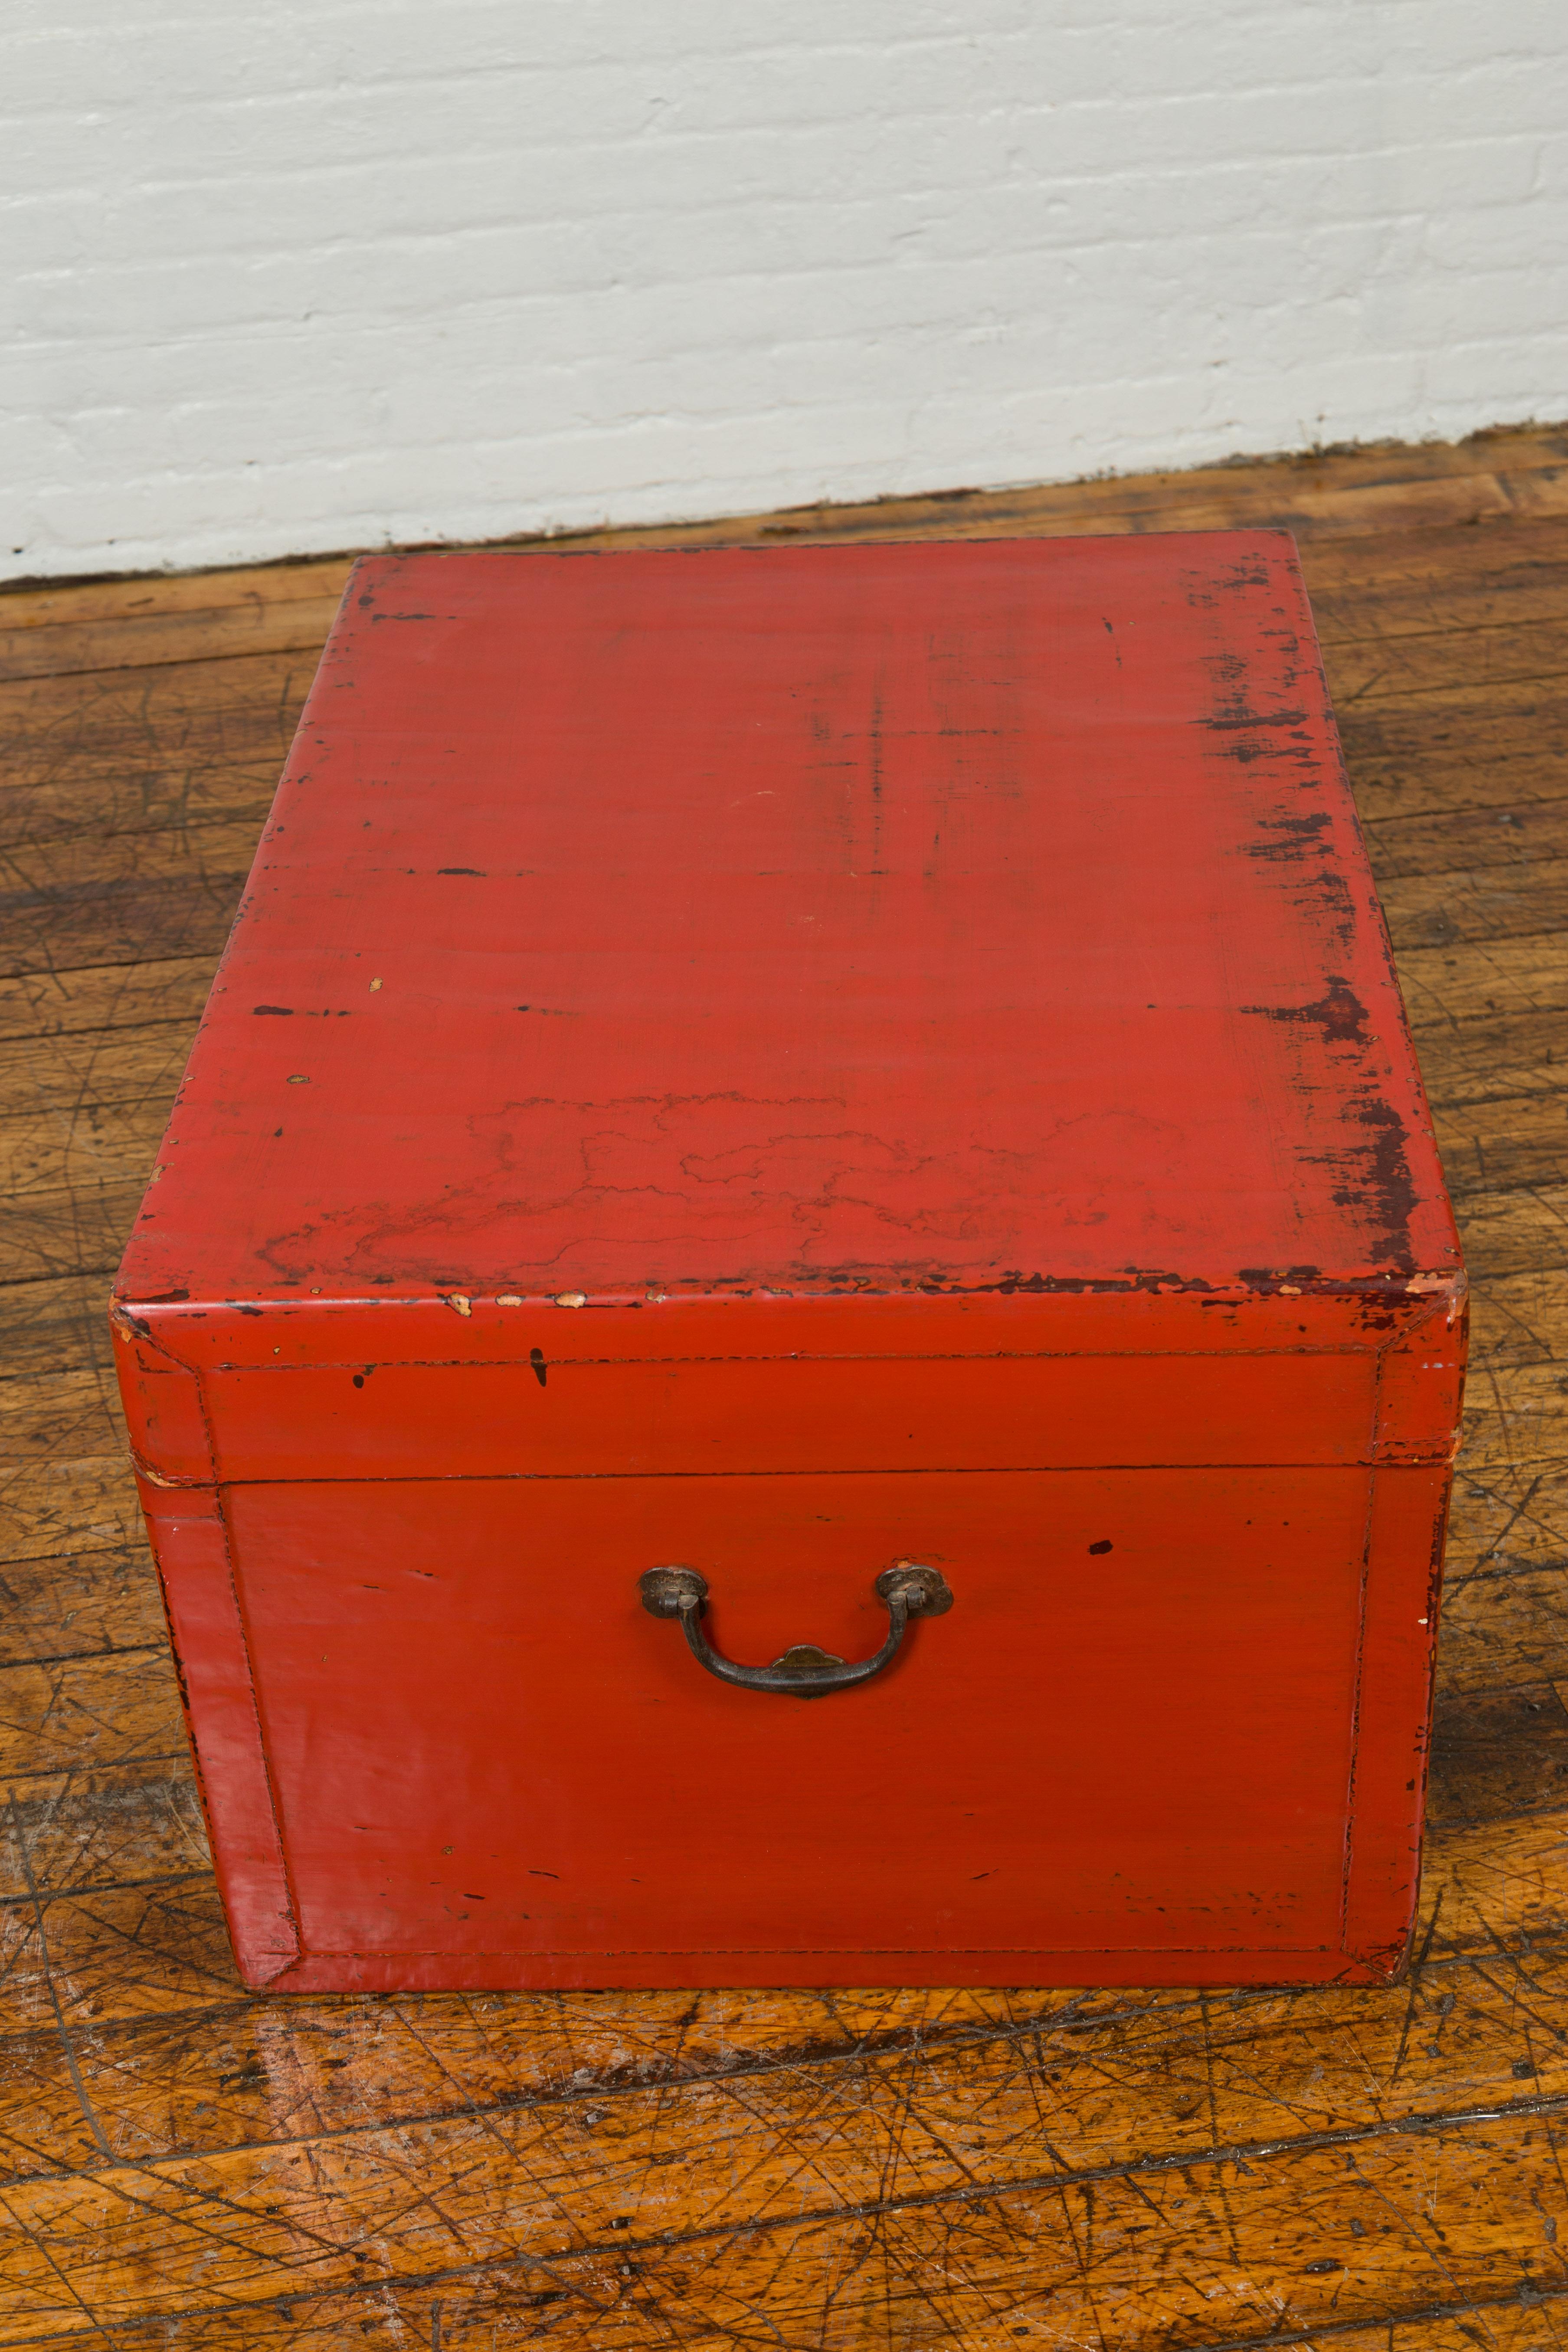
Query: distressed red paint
{"points": [[785, 1062]]}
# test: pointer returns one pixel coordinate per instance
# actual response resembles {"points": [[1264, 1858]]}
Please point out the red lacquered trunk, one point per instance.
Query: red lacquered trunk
{"points": [[795, 1068]]}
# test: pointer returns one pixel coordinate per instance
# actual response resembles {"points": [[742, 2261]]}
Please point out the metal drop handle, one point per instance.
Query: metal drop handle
{"points": [[805, 1672]]}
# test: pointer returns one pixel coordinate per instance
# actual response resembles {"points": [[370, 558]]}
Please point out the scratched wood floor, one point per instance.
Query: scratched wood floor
{"points": [[194, 2171]]}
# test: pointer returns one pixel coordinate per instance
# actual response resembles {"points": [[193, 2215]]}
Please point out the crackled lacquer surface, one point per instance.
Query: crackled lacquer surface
{"points": [[922, 919], [189, 2166]]}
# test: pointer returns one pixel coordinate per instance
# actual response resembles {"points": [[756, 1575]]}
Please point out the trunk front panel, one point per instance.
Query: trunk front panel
{"points": [[1133, 1732]]}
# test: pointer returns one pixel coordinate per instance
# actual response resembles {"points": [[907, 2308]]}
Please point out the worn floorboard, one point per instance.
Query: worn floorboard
{"points": [[186, 2169]]}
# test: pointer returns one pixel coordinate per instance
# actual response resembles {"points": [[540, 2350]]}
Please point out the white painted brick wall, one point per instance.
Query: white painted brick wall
{"points": [[317, 274]]}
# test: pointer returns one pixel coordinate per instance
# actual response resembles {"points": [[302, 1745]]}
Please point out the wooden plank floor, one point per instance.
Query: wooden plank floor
{"points": [[191, 2170]]}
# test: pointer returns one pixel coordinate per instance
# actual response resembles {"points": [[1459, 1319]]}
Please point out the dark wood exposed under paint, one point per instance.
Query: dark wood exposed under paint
{"points": [[1377, 2169]]}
